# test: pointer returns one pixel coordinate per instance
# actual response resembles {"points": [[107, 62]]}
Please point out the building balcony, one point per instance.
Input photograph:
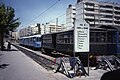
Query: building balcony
{"points": [[110, 9], [115, 14], [110, 19], [116, 24], [106, 13], [106, 23], [89, 17], [85, 6], [117, 10], [94, 22], [90, 12], [97, 8], [116, 19]]}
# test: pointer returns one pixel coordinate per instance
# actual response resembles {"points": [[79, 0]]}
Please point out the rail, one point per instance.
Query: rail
{"points": [[48, 64]]}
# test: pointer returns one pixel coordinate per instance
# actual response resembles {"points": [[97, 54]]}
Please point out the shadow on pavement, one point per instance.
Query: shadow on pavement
{"points": [[1, 54], [10, 50], [111, 75], [3, 66]]}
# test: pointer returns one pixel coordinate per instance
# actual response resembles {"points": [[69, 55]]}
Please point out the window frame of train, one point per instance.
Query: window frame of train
{"points": [[98, 36], [81, 36], [65, 37]]}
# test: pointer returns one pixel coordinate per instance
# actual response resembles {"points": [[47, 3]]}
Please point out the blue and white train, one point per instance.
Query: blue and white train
{"points": [[31, 41]]}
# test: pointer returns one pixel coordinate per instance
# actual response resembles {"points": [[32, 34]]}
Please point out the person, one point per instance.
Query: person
{"points": [[9, 45]]}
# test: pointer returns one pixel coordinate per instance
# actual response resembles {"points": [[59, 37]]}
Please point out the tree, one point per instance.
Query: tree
{"points": [[7, 22]]}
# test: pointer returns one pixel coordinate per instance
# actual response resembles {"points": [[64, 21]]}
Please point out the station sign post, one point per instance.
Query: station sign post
{"points": [[81, 38]]}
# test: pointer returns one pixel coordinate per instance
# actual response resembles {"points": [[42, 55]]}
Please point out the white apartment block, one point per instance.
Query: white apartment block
{"points": [[40, 29], [52, 27], [70, 17], [15, 35], [35, 29], [98, 13], [31, 30]]}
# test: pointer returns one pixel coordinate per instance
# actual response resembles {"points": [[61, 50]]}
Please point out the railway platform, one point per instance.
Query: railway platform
{"points": [[15, 65]]}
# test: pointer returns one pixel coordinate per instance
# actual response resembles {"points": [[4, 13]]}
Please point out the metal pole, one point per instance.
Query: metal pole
{"points": [[88, 64], [74, 46], [56, 24], [74, 38]]}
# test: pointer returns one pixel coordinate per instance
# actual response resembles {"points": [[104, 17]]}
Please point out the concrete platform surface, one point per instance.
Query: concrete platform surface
{"points": [[18, 66]]}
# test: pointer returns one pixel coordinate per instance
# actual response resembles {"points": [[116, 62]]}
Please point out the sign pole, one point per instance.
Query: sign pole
{"points": [[88, 64], [74, 47], [74, 40]]}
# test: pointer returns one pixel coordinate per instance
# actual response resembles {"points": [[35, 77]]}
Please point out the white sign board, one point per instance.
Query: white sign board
{"points": [[81, 36]]}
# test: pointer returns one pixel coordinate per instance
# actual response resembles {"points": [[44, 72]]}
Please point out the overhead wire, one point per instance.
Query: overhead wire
{"points": [[44, 11]]}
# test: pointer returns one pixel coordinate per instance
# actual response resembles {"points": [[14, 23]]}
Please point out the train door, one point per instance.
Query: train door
{"points": [[118, 42], [112, 42]]}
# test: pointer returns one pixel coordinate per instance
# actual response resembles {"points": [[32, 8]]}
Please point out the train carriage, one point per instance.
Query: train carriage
{"points": [[36, 41], [48, 42], [118, 43], [98, 41], [63, 41], [31, 41], [112, 42], [98, 45]]}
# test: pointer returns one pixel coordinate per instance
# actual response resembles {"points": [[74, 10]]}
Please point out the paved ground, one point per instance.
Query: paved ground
{"points": [[20, 67]]}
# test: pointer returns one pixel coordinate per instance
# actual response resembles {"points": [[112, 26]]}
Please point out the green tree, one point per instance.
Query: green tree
{"points": [[7, 22]]}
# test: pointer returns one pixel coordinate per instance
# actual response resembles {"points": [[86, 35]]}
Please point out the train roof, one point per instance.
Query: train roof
{"points": [[91, 28], [31, 36], [111, 28]]}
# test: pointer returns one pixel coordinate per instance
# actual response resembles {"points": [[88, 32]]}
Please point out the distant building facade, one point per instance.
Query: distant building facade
{"points": [[40, 29], [98, 13], [52, 27], [70, 16], [31, 30]]}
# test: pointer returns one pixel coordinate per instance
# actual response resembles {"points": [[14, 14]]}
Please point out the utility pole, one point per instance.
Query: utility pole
{"points": [[56, 24], [39, 29]]}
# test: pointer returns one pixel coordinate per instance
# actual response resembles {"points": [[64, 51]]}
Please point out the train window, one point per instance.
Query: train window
{"points": [[47, 39], [103, 34], [97, 34], [92, 39], [98, 40], [114, 38], [68, 40], [109, 38], [65, 40], [71, 40], [38, 39], [34, 39], [68, 35], [119, 38], [92, 34], [62, 40], [102, 39]]}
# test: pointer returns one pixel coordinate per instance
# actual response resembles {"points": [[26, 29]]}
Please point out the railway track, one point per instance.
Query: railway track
{"points": [[48, 64]]}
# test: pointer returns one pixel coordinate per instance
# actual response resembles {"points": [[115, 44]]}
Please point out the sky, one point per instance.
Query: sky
{"points": [[29, 10]]}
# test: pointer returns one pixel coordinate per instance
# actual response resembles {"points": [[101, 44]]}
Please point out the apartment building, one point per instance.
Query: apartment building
{"points": [[98, 13], [31, 30], [35, 29], [52, 27], [70, 16]]}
